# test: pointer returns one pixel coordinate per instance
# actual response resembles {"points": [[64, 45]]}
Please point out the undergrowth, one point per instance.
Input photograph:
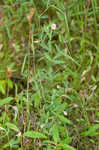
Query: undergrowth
{"points": [[49, 75]]}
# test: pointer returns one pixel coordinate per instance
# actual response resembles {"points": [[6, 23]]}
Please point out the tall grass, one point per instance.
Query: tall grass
{"points": [[49, 53]]}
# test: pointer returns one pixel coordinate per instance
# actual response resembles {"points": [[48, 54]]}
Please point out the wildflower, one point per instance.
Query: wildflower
{"points": [[19, 134], [75, 105], [58, 86], [53, 26], [42, 125], [36, 41], [65, 113]]}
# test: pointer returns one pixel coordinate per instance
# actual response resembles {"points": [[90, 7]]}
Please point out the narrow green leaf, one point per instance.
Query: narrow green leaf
{"points": [[64, 119], [60, 108], [2, 89], [48, 142], [92, 131], [12, 143], [33, 134], [5, 100], [36, 100], [66, 147], [1, 128], [12, 126], [44, 46], [55, 133], [3, 86], [10, 83], [23, 65]]}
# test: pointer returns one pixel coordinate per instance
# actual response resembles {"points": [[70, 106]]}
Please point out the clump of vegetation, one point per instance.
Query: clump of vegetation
{"points": [[49, 53]]}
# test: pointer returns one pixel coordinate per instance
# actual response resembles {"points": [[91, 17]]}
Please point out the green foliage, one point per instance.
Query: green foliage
{"points": [[64, 119], [5, 101], [49, 62], [65, 146], [55, 132], [92, 131], [33, 134], [12, 126]]}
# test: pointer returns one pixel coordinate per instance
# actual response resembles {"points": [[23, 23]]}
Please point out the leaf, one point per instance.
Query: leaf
{"points": [[44, 17], [1, 128], [60, 108], [60, 16], [2, 86], [5, 100], [44, 46], [2, 89], [56, 62], [92, 131], [36, 100], [23, 65], [66, 147], [10, 84], [12, 143], [12, 126], [64, 119], [33, 134], [66, 140], [48, 142], [55, 133]]}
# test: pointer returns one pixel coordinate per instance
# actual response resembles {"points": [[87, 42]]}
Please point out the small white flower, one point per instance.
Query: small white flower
{"points": [[19, 134], [75, 105], [65, 113], [53, 26], [42, 126], [36, 41], [58, 86]]}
